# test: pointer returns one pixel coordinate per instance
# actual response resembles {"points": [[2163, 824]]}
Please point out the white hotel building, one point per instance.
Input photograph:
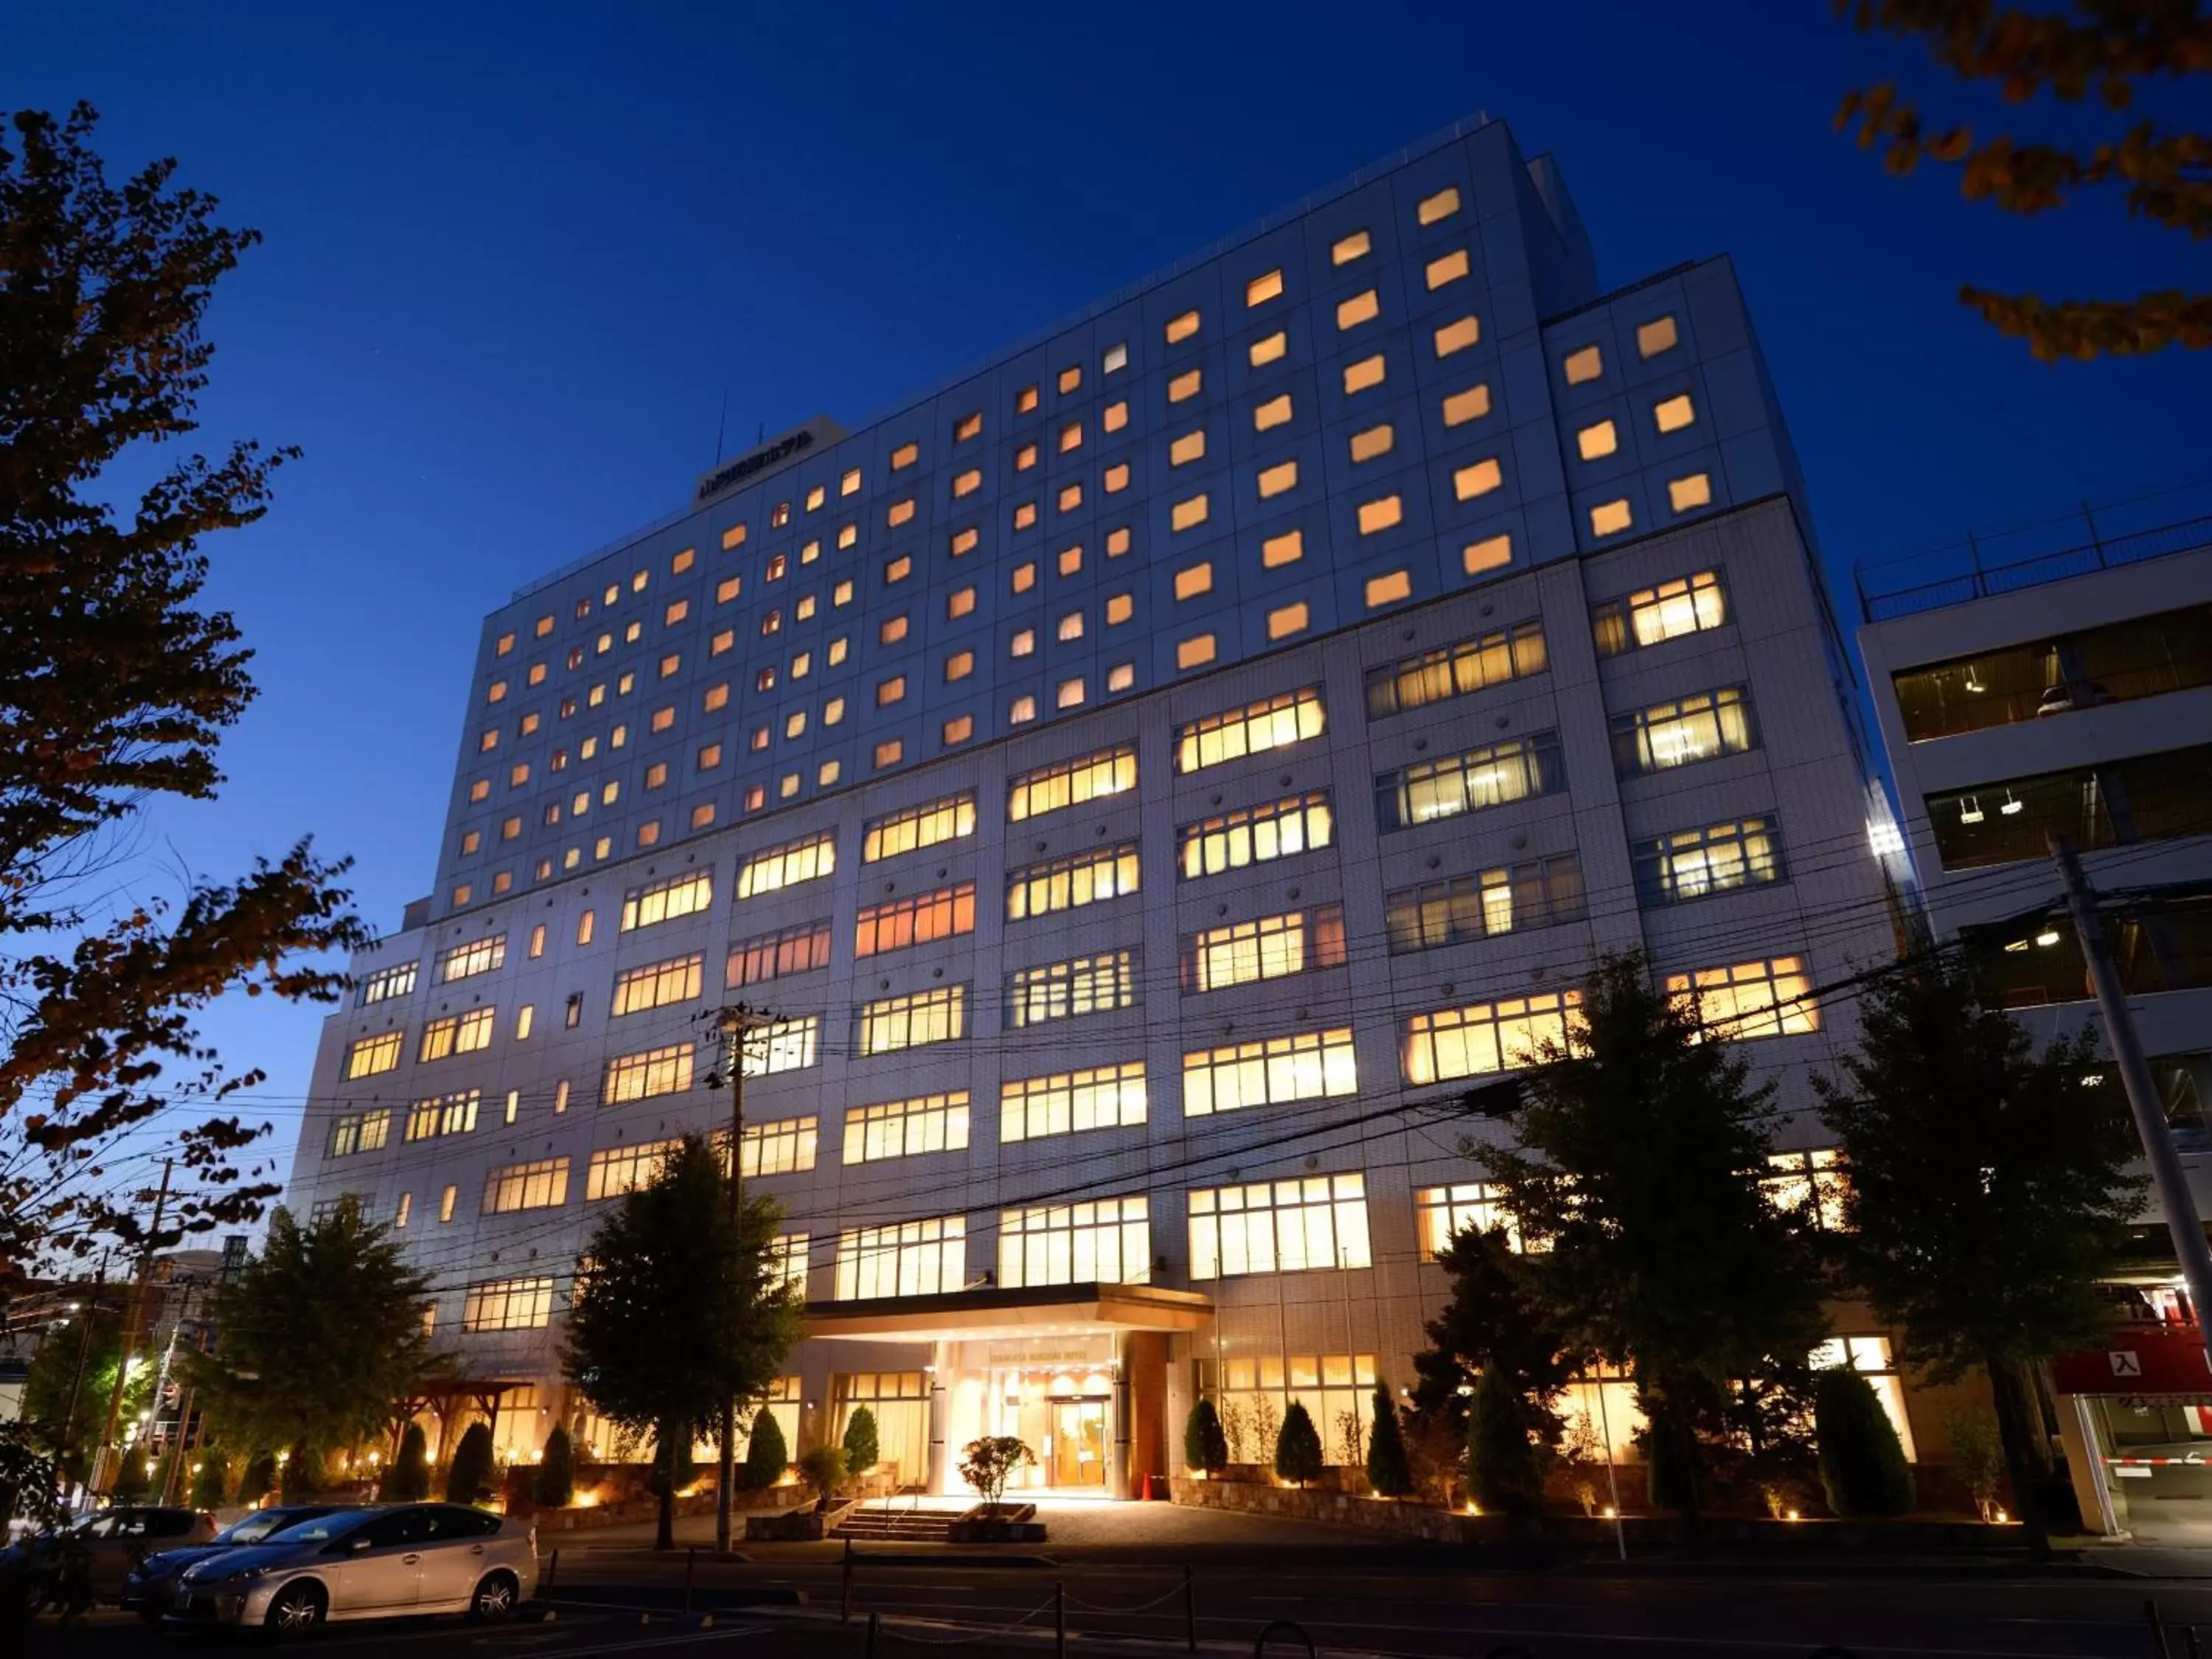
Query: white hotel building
{"points": [[1140, 778]]}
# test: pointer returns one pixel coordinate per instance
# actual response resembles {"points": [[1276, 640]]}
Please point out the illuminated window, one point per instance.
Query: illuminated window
{"points": [[1457, 336], [1195, 652], [1374, 441], [1194, 580], [1296, 1225], [906, 1129], [1651, 616], [1025, 515], [898, 570], [663, 719], [1186, 513], [1182, 327], [1485, 1037], [891, 630], [667, 899], [1273, 947], [968, 482], [1456, 671], [1367, 372], [1657, 336], [1025, 458], [372, 1054], [1070, 436], [1493, 775], [1069, 694], [1673, 413], [816, 496], [1287, 620], [1117, 542], [1116, 359], [1490, 553], [1070, 497], [1690, 864], [1685, 494], [1093, 1241], [1770, 998], [968, 426], [1441, 205], [1276, 1071], [1261, 289], [1021, 710], [786, 1147], [1254, 729], [1071, 626], [1064, 990], [483, 955], [1703, 726], [1190, 446], [1611, 518], [1389, 589], [1471, 404], [957, 729], [959, 666], [510, 1304], [1254, 835], [1071, 783], [776, 868], [387, 983], [1023, 578], [1450, 267], [1380, 515], [1121, 677], [890, 753], [1071, 883], [1286, 549], [1070, 559], [794, 723], [361, 1132], [1070, 378], [1361, 307], [733, 536], [928, 1257], [905, 456], [899, 513], [1114, 416], [898, 924], [1024, 642], [505, 646], [891, 1024], [1070, 1103], [1279, 479], [1345, 249], [1584, 365], [1275, 412], [771, 956], [1268, 349], [457, 1034], [1185, 386]]}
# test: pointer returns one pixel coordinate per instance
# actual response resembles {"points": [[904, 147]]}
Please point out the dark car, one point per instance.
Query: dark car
{"points": [[90, 1560], [151, 1587]]}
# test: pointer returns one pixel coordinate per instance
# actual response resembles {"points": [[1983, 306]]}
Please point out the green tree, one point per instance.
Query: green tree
{"points": [[211, 1484], [1863, 1467], [1990, 1192], [2101, 55], [1298, 1447], [555, 1484], [1388, 1470], [407, 1477], [469, 1476], [824, 1469], [1977, 1455], [1494, 1319], [861, 1451], [259, 1478], [767, 1454], [315, 1339], [1205, 1442], [988, 1463], [1643, 1146], [682, 1304], [1502, 1468], [71, 1373], [116, 686]]}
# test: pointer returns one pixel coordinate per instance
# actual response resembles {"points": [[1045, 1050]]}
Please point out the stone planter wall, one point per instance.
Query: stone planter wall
{"points": [[1408, 1520], [800, 1524]]}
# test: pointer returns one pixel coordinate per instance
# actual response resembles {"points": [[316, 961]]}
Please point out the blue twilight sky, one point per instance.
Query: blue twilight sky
{"points": [[516, 257]]}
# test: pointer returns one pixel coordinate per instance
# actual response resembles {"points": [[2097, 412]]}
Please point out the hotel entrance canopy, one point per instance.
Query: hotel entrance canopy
{"points": [[991, 1312]]}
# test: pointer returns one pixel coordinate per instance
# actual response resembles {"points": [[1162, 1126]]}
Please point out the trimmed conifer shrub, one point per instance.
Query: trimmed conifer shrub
{"points": [[1298, 1447], [1862, 1467]]}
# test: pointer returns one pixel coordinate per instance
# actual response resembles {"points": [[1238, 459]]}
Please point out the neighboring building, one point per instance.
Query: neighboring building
{"points": [[2073, 692], [1138, 778]]}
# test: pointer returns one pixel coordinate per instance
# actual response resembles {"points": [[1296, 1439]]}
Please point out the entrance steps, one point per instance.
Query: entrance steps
{"points": [[898, 1526]]}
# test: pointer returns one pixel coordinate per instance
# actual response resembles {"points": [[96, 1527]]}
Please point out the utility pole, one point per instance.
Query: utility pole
{"points": [[736, 1024], [92, 1312], [131, 1324], [2157, 1135], [174, 1460]]}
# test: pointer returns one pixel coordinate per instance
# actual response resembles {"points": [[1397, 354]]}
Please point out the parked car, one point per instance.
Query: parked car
{"points": [[93, 1558], [367, 1564], [151, 1586]]}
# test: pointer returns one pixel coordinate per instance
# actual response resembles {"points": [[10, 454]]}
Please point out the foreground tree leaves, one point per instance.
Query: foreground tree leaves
{"points": [[115, 688]]}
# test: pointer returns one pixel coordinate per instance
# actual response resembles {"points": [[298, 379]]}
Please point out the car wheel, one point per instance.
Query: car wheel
{"points": [[495, 1596], [297, 1610]]}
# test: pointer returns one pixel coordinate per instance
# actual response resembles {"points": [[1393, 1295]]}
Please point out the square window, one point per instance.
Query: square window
{"points": [[718, 697], [1182, 327], [1193, 580], [1449, 269], [1480, 479], [1121, 677], [828, 773], [1694, 491], [1023, 644], [959, 602], [965, 541], [1195, 652], [891, 630], [1185, 514], [1457, 336], [1070, 378], [899, 512], [1269, 350], [850, 483], [1363, 307], [1611, 518], [971, 425], [755, 798], [1116, 479], [905, 456], [1117, 542], [1071, 626], [816, 496], [1389, 589], [1381, 514], [1185, 386], [1277, 479], [1272, 413], [959, 666], [710, 757], [1287, 620], [1374, 441], [1345, 249], [1367, 372], [728, 588], [1070, 559], [1025, 515], [1441, 205], [794, 724], [1261, 289], [1115, 359], [779, 515], [1674, 413], [1286, 549], [1025, 458], [1119, 608], [891, 692], [833, 711], [968, 482], [1024, 577], [958, 729], [1116, 415], [1471, 404], [1070, 436], [1021, 710], [1584, 365], [1025, 400], [1070, 694], [1657, 336], [1070, 498], [683, 562], [898, 570], [888, 753], [1597, 440]]}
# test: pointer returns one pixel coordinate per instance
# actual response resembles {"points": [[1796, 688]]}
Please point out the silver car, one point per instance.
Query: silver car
{"points": [[367, 1564]]}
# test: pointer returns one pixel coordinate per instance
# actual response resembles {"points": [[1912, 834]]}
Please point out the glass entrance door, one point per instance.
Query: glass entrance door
{"points": [[1078, 1443]]}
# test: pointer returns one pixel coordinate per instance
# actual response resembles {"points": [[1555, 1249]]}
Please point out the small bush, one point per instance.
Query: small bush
{"points": [[1204, 1442], [211, 1486], [862, 1453], [1501, 1462], [1298, 1447], [1977, 1455], [1389, 1471], [407, 1478], [259, 1478], [767, 1456], [1862, 1467], [468, 1480], [554, 1485], [988, 1463], [824, 1467]]}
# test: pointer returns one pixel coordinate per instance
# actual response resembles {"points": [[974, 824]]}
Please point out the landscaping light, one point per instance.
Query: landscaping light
{"points": [[2001, 1518], [1611, 1513], [1791, 1514]]}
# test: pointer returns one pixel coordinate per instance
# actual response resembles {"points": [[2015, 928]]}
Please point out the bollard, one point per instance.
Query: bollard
{"points": [[875, 1621], [691, 1566], [1260, 1641], [845, 1589], [1059, 1619], [2158, 1648], [1189, 1611], [552, 1572]]}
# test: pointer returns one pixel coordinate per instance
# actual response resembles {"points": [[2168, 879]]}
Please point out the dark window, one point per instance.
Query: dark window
{"points": [[2144, 797], [2143, 657]]}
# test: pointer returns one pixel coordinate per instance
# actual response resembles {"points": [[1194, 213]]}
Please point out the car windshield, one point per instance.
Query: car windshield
{"points": [[321, 1529], [252, 1529]]}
